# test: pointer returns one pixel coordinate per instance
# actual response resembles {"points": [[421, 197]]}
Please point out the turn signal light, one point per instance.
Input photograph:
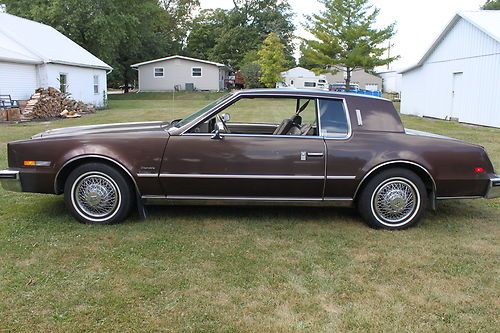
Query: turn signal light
{"points": [[36, 163], [479, 170]]}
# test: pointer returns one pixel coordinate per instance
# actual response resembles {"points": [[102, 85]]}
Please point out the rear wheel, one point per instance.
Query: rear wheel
{"points": [[394, 199], [97, 193]]}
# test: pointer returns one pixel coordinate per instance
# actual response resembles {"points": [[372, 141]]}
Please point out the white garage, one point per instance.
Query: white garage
{"points": [[35, 55], [459, 76]]}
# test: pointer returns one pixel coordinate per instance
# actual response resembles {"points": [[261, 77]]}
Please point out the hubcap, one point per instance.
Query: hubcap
{"points": [[395, 201], [96, 195]]}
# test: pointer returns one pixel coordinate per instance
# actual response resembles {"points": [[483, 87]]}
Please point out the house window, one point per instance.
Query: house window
{"points": [[96, 84], [196, 72], [309, 84], [63, 82], [159, 72]]}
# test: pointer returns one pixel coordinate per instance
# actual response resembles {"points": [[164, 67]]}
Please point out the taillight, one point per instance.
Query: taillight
{"points": [[478, 169]]}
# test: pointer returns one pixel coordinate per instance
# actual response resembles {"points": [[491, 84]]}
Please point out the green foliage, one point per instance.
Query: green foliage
{"points": [[227, 35], [206, 28], [120, 32], [271, 60], [345, 36], [492, 5], [251, 74]]}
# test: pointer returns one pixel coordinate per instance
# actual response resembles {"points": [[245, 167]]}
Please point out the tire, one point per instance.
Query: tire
{"points": [[106, 196], [394, 199]]}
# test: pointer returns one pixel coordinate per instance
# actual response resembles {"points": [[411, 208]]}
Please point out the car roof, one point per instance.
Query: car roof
{"points": [[307, 92]]}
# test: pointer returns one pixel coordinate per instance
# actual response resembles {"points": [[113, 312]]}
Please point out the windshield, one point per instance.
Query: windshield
{"points": [[198, 113]]}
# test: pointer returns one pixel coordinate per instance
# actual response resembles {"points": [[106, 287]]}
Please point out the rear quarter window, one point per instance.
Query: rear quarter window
{"points": [[333, 118]]}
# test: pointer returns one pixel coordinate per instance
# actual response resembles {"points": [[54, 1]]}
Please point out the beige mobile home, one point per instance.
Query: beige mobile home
{"points": [[181, 73]]}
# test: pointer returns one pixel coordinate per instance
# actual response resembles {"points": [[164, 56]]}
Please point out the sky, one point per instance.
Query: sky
{"points": [[418, 23]]}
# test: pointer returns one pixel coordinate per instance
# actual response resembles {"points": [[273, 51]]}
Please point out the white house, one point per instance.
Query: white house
{"points": [[459, 76], [35, 55], [300, 77], [181, 73]]}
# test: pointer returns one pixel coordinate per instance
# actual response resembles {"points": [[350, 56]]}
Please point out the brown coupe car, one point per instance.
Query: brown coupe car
{"points": [[274, 146]]}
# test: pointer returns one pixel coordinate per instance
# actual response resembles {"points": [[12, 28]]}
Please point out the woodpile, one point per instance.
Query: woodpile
{"points": [[51, 103], [10, 114]]}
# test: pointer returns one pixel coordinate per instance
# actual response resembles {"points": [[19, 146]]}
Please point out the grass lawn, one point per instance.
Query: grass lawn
{"points": [[245, 269]]}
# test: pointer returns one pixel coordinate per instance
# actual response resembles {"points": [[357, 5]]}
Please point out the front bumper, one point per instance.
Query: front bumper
{"points": [[493, 188], [10, 180]]}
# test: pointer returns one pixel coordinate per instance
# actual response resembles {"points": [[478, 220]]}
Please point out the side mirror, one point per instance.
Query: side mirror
{"points": [[226, 117]]}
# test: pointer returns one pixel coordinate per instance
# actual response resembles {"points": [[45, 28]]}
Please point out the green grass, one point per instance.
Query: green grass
{"points": [[243, 269]]}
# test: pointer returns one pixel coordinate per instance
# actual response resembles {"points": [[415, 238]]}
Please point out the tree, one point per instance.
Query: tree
{"points": [[205, 30], [120, 32], [346, 39], [492, 5], [227, 35], [271, 60], [251, 74]]}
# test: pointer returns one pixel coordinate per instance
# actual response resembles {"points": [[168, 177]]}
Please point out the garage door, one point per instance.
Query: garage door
{"points": [[17, 80]]}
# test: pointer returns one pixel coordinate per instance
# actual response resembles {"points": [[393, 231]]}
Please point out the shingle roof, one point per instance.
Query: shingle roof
{"points": [[28, 41], [488, 21], [178, 57]]}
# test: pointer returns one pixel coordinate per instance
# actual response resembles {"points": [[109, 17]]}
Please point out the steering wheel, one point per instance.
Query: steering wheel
{"points": [[222, 124]]}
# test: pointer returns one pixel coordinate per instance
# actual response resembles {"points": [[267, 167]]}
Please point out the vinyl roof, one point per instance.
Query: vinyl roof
{"points": [[488, 21], [27, 41], [178, 57]]}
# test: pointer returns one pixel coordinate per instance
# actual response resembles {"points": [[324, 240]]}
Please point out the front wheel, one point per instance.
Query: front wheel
{"points": [[97, 193], [394, 199]]}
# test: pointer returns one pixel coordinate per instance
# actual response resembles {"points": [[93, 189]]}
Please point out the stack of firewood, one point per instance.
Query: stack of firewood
{"points": [[51, 103]]}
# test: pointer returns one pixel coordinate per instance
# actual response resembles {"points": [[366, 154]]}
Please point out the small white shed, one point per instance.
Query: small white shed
{"points": [[35, 55], [459, 76]]}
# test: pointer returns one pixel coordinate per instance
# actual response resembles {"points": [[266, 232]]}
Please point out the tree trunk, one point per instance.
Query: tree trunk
{"points": [[348, 80], [125, 86]]}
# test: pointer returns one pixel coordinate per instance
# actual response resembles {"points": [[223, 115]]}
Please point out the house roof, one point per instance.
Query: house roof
{"points": [[27, 41], [178, 57], [485, 20], [298, 72]]}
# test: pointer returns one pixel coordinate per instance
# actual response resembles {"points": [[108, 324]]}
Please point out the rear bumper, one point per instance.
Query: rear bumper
{"points": [[10, 180], [493, 188]]}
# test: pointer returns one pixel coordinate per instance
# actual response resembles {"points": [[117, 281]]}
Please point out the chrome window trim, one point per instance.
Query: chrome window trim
{"points": [[235, 176], [252, 124], [348, 119], [76, 158], [375, 168], [237, 96], [256, 135]]}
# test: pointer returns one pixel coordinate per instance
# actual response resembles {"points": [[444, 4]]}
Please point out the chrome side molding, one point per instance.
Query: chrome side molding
{"points": [[228, 200]]}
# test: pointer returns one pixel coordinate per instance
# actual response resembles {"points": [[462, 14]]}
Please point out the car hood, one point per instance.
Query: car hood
{"points": [[103, 129]]}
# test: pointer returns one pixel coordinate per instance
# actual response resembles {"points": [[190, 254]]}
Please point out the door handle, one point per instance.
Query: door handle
{"points": [[304, 155], [315, 155]]}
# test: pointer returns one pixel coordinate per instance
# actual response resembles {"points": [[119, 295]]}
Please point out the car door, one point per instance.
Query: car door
{"points": [[246, 166]]}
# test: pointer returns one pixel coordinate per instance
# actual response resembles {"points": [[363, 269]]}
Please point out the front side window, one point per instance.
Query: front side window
{"points": [[333, 118], [196, 72], [63, 83], [159, 72], [265, 116], [96, 84]]}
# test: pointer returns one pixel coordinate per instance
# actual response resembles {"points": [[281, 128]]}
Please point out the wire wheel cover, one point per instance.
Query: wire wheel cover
{"points": [[395, 200], [96, 195]]}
